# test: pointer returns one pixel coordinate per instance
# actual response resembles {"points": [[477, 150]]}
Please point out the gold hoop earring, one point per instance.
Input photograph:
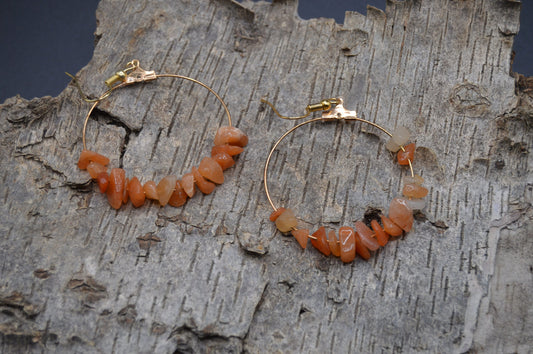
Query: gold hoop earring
{"points": [[363, 239], [228, 142]]}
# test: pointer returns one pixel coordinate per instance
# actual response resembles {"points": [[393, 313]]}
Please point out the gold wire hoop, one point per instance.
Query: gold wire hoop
{"points": [[133, 73], [336, 113], [228, 142]]}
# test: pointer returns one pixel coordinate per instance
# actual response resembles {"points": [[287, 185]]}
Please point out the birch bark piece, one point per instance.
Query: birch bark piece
{"points": [[214, 275]]}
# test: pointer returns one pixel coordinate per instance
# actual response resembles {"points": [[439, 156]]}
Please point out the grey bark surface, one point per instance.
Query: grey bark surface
{"points": [[214, 275]]}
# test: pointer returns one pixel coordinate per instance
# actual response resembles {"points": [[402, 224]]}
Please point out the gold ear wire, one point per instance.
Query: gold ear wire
{"points": [[282, 116], [82, 94]]}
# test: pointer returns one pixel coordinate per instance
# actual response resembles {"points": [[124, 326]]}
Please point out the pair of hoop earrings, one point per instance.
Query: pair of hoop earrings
{"points": [[228, 143]]}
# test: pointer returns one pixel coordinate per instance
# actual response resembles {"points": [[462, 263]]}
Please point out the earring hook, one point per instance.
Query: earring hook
{"points": [[82, 94], [132, 73], [332, 108]]}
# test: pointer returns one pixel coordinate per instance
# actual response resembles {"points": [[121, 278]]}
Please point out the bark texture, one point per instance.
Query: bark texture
{"points": [[214, 275]]}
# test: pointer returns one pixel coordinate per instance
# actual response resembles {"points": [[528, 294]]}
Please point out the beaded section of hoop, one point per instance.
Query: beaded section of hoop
{"points": [[361, 239], [170, 190]]}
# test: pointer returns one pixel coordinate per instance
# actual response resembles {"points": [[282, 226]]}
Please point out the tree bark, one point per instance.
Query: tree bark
{"points": [[215, 275]]}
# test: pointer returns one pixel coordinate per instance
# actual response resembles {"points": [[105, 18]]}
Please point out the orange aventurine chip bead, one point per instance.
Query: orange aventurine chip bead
{"points": [[211, 170], [286, 221], [360, 248], [333, 244], [115, 190], [276, 213], [390, 227], [399, 137], [416, 179], [165, 188], [204, 186], [347, 244], [381, 236], [301, 236], [224, 160], [401, 214], [95, 168], [150, 190], [87, 156], [408, 154], [179, 197], [125, 195], [136, 192], [231, 150], [103, 181], [321, 242], [187, 182], [231, 136], [366, 236], [413, 190]]}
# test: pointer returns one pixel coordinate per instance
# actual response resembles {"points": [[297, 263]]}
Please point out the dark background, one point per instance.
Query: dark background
{"points": [[42, 39]]}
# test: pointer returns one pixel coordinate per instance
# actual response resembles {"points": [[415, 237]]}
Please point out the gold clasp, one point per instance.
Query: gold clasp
{"points": [[324, 105], [338, 111], [131, 74]]}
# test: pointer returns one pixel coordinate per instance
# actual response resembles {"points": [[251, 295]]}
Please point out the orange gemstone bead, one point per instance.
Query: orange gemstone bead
{"points": [[224, 160], [179, 197], [95, 168], [150, 190], [87, 156], [115, 190], [408, 154], [399, 137], [381, 236], [413, 190], [165, 188], [231, 150], [390, 227], [301, 235], [360, 248], [401, 214], [276, 213], [347, 244], [103, 181], [416, 179], [231, 136], [286, 221], [204, 186], [416, 203], [187, 182], [366, 236], [321, 242], [333, 244], [125, 195], [136, 192], [211, 170]]}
